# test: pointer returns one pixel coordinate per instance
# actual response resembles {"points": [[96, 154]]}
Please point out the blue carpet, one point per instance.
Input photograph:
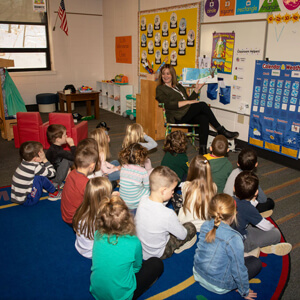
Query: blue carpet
{"points": [[39, 261]]}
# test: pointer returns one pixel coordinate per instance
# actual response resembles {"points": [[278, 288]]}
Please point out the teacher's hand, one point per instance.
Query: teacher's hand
{"points": [[198, 87]]}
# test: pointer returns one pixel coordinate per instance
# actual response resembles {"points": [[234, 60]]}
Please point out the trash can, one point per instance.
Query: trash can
{"points": [[47, 102]]}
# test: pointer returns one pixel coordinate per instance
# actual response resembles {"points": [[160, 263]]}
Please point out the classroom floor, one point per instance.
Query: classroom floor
{"points": [[278, 181]]}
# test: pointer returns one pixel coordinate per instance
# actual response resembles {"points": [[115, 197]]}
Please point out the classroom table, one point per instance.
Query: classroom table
{"points": [[73, 97]]}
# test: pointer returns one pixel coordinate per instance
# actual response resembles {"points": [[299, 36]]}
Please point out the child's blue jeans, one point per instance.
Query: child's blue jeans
{"points": [[39, 183], [115, 175]]}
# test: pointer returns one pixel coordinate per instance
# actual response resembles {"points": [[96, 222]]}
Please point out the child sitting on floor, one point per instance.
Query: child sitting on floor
{"points": [[219, 263], [112, 169], [257, 232], [134, 178], [61, 159], [135, 134], [247, 161], [221, 167], [85, 161], [84, 220], [175, 154], [30, 178], [197, 192], [118, 269], [157, 226]]}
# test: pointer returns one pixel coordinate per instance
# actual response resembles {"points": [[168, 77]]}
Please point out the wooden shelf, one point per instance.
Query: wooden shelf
{"points": [[5, 125], [148, 113]]}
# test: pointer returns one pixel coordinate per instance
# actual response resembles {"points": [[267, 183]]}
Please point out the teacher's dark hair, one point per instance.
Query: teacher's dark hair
{"points": [[173, 74]]}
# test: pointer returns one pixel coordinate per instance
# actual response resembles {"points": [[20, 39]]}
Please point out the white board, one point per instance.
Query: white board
{"points": [[283, 41], [248, 36]]}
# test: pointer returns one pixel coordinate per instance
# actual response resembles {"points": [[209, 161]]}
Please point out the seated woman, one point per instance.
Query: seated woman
{"points": [[181, 108]]}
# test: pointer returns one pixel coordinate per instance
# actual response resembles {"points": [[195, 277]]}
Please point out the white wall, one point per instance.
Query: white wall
{"points": [[77, 59]]}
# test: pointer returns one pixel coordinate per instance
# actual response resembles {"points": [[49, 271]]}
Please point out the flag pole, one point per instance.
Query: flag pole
{"points": [[55, 22]]}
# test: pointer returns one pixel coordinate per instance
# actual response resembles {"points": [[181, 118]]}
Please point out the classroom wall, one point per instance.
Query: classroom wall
{"points": [[121, 19], [77, 59]]}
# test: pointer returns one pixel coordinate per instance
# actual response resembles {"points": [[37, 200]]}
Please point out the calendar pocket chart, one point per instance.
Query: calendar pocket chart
{"points": [[275, 109]]}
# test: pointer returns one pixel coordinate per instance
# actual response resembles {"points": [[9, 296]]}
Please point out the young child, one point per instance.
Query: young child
{"points": [[61, 159], [134, 178], [221, 167], [247, 161], [158, 227], [112, 169], [135, 134], [84, 220], [257, 232], [30, 178], [197, 192], [118, 271], [85, 161], [219, 263], [90, 143], [175, 154]]}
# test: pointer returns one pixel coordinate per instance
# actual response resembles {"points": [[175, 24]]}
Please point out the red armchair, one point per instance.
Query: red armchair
{"points": [[78, 132], [29, 128]]}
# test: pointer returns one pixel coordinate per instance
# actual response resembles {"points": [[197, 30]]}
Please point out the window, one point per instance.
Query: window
{"points": [[24, 36]]}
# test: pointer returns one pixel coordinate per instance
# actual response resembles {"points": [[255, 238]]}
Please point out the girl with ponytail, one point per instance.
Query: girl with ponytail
{"points": [[219, 263]]}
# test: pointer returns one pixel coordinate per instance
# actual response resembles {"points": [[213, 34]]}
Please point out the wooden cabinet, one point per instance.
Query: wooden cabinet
{"points": [[148, 113]]}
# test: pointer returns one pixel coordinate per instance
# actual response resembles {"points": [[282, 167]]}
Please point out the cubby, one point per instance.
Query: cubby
{"points": [[113, 96]]}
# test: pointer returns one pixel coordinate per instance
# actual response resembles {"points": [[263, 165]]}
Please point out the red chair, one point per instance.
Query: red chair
{"points": [[29, 128], [77, 132]]}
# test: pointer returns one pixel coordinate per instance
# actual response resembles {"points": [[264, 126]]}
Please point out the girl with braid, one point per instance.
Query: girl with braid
{"points": [[219, 263]]}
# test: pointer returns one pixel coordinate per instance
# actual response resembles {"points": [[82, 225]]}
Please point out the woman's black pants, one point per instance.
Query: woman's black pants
{"points": [[200, 113]]}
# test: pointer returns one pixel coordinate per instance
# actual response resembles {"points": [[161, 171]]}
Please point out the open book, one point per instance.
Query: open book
{"points": [[191, 75]]}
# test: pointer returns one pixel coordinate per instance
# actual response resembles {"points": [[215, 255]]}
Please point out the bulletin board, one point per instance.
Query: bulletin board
{"points": [[249, 46], [171, 32]]}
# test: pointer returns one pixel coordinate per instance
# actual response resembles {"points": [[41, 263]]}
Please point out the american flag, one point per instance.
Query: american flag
{"points": [[63, 17]]}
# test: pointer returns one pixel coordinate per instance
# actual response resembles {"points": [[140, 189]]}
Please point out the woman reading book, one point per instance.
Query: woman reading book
{"points": [[181, 108]]}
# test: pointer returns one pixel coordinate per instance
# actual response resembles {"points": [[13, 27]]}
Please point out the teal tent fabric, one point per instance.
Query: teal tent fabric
{"points": [[13, 98]]}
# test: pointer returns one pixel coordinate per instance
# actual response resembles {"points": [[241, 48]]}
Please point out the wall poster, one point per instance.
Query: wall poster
{"points": [[168, 35], [275, 112], [222, 51]]}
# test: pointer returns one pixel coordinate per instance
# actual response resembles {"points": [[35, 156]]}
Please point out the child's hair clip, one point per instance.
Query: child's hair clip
{"points": [[205, 161]]}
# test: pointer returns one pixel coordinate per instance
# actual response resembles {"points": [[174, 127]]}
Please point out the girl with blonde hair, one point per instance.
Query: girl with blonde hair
{"points": [[219, 263], [197, 192], [96, 190], [118, 269], [112, 169], [135, 134]]}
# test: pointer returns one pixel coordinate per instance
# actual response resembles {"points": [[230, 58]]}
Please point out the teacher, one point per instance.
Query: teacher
{"points": [[181, 108]]}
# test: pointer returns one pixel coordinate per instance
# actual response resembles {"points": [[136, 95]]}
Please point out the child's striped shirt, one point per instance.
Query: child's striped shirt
{"points": [[134, 183], [23, 178]]}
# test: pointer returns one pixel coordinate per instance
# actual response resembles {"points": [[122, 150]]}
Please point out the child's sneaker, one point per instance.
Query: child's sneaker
{"points": [[255, 252], [280, 249], [55, 196], [187, 245], [267, 213], [61, 186]]}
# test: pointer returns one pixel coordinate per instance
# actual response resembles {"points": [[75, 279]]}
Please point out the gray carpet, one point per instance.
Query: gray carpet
{"points": [[279, 182]]}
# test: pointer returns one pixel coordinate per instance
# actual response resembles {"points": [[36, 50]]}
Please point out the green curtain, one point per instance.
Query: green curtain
{"points": [[13, 98]]}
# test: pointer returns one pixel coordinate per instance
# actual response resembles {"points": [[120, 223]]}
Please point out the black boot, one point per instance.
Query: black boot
{"points": [[228, 134], [202, 149]]}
